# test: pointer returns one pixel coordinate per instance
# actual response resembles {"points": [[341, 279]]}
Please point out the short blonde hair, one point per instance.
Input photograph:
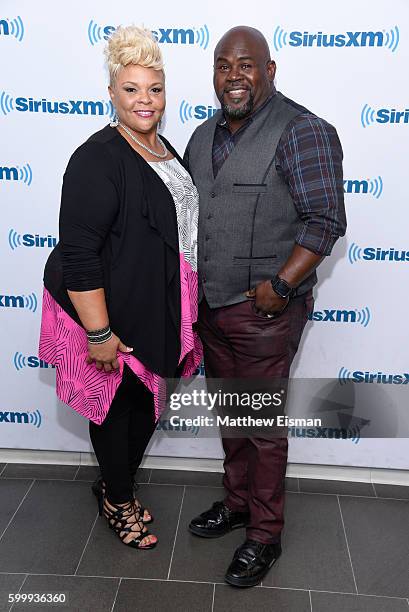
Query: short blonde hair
{"points": [[132, 45]]}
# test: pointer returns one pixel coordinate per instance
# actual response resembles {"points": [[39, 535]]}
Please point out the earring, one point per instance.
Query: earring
{"points": [[114, 122]]}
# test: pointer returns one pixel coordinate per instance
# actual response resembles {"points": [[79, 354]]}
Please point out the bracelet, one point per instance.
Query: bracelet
{"points": [[98, 332], [98, 336], [101, 341]]}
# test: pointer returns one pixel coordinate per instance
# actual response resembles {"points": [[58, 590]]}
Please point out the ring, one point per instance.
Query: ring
{"points": [[270, 316]]}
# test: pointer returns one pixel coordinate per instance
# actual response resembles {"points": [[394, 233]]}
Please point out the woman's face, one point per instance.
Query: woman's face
{"points": [[139, 97]]}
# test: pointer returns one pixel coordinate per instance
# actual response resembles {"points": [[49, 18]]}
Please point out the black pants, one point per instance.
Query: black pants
{"points": [[120, 441]]}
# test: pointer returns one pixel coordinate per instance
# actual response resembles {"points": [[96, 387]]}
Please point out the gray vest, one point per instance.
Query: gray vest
{"points": [[247, 219]]}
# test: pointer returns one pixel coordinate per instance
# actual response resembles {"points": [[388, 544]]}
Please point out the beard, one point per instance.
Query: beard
{"points": [[242, 111]]}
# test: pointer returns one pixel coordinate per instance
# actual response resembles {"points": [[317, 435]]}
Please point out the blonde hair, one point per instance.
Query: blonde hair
{"points": [[132, 45]]}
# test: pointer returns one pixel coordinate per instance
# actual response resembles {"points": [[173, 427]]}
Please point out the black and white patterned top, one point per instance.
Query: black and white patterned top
{"points": [[186, 199]]}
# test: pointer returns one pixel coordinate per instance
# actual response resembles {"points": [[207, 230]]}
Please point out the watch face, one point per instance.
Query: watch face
{"points": [[281, 288]]}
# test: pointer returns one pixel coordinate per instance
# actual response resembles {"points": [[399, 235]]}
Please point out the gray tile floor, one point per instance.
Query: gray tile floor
{"points": [[346, 547]]}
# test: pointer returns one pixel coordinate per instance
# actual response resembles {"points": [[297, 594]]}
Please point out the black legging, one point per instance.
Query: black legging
{"points": [[120, 442]]}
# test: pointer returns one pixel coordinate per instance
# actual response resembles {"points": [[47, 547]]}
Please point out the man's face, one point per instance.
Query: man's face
{"points": [[242, 76]]}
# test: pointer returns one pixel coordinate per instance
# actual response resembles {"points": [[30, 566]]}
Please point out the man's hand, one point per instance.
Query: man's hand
{"points": [[105, 354], [266, 299]]}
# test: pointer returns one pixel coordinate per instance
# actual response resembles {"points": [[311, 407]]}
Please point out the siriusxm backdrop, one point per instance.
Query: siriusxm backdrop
{"points": [[345, 61]]}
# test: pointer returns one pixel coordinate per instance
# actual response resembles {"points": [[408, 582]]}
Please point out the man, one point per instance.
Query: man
{"points": [[269, 175]]}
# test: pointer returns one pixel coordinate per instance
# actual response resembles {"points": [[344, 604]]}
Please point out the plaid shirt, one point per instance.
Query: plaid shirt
{"points": [[309, 159]]}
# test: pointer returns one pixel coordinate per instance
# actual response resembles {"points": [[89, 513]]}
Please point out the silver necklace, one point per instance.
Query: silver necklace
{"points": [[160, 155]]}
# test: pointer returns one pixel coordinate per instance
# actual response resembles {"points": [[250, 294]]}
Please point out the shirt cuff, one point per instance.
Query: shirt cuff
{"points": [[318, 243]]}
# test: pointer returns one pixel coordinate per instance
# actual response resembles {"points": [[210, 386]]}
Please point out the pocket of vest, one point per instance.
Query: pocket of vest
{"points": [[253, 261], [249, 187]]}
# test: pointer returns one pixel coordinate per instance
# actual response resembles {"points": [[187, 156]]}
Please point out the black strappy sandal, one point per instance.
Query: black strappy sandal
{"points": [[98, 490], [119, 516]]}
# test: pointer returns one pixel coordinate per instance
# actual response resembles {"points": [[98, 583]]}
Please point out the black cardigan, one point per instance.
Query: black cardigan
{"points": [[118, 230]]}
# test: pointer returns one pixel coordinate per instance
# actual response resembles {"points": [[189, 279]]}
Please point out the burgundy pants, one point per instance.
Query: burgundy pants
{"points": [[240, 343]]}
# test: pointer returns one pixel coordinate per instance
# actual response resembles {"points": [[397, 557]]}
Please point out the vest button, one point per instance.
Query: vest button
{"points": [[206, 258], [209, 216], [207, 237], [213, 195]]}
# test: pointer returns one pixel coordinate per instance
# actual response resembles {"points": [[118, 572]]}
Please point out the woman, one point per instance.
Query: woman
{"points": [[120, 294]]}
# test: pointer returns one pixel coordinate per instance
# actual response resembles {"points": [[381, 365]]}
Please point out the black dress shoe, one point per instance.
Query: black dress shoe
{"points": [[251, 562], [218, 521]]}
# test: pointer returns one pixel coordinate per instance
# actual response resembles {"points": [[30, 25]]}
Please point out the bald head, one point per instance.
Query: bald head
{"points": [[245, 37], [243, 73]]}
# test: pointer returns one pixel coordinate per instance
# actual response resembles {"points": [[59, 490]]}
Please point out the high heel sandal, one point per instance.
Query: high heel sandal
{"points": [[119, 520], [98, 490]]}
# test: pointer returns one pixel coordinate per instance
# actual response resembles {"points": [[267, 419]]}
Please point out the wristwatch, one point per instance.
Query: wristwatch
{"points": [[281, 287]]}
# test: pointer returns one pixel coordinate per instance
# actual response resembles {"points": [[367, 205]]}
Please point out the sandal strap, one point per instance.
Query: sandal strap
{"points": [[121, 523], [100, 483]]}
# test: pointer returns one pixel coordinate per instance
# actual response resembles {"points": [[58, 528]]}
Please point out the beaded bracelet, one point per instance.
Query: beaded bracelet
{"points": [[99, 336]]}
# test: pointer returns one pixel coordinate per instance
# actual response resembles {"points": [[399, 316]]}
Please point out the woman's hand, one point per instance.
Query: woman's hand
{"points": [[105, 354]]}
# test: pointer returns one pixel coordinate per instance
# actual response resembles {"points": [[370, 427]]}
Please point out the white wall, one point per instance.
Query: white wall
{"points": [[53, 51]]}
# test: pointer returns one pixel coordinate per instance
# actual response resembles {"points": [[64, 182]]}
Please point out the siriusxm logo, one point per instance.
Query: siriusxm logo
{"points": [[362, 317], [69, 107], [356, 253], [12, 27], [170, 36], [378, 378], [29, 302], [21, 361], [373, 187], [370, 116], [166, 425], [329, 433], [24, 174], [30, 240], [200, 370], [21, 418], [385, 38], [200, 112]]}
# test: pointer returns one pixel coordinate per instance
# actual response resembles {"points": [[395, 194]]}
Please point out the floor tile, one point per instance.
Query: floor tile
{"points": [[184, 477], [322, 602], [161, 596], [83, 594], [392, 491], [315, 554], [338, 487], [11, 494], [43, 471], [260, 600], [107, 556], [9, 583], [201, 558], [291, 484], [50, 529], [378, 540], [90, 472]]}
